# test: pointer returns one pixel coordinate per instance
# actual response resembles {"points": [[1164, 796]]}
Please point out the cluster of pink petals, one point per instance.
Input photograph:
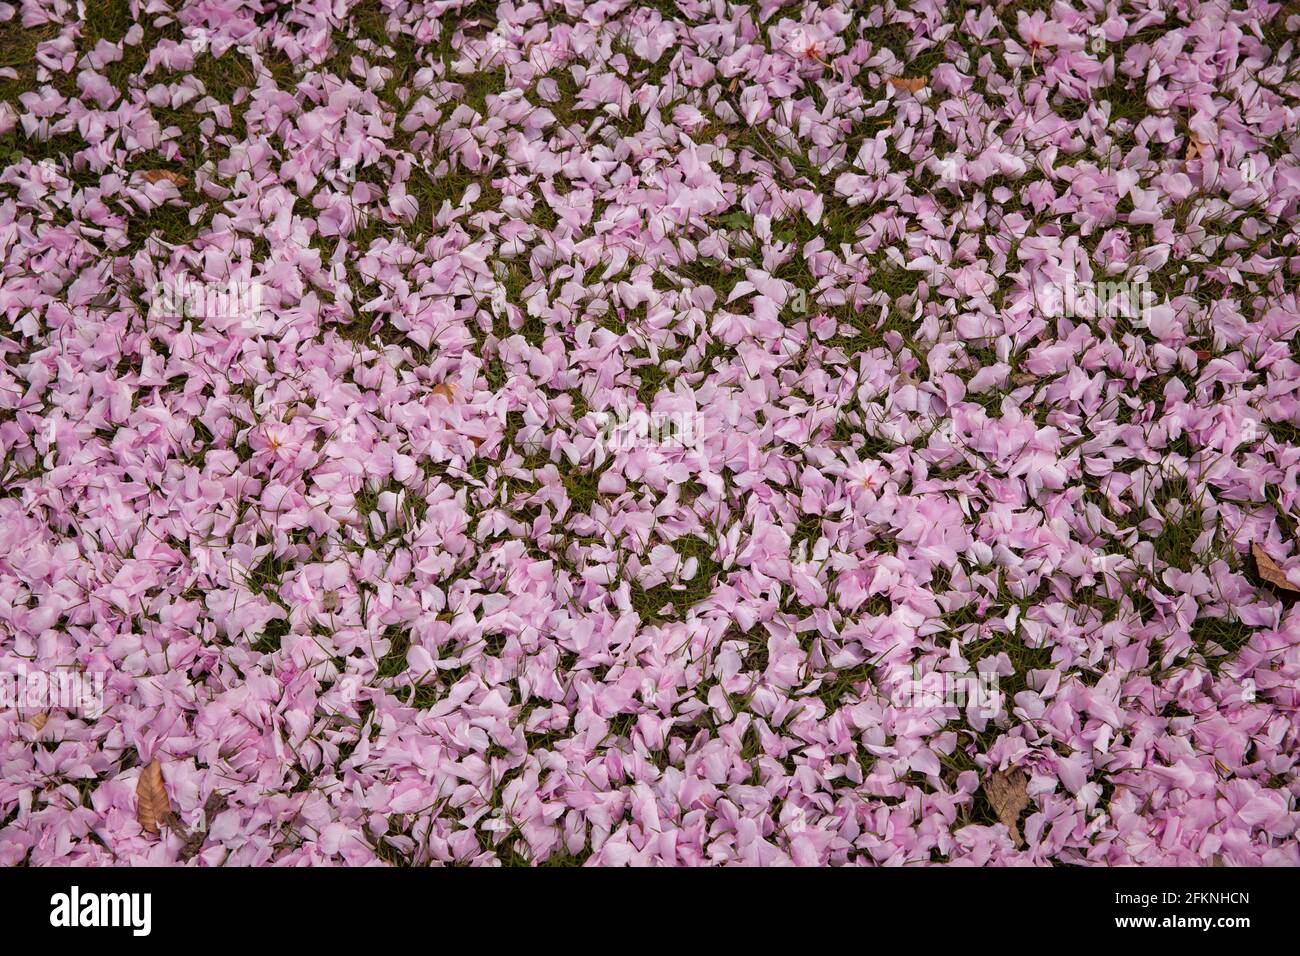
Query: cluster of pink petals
{"points": [[359, 564]]}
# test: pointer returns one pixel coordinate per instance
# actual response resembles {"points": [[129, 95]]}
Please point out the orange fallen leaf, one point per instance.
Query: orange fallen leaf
{"points": [[39, 721], [152, 808], [1270, 570], [1195, 148], [1006, 791], [446, 390], [909, 83], [160, 175]]}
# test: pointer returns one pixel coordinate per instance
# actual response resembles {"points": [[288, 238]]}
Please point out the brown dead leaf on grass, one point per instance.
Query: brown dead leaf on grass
{"points": [[164, 175], [1270, 571], [1006, 792], [152, 809], [195, 839], [910, 83], [446, 390]]}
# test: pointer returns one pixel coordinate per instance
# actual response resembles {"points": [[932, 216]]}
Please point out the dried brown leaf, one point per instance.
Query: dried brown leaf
{"points": [[195, 839], [1006, 792], [910, 83], [39, 721], [446, 390], [215, 803], [152, 809], [193, 844], [1269, 570], [164, 175]]}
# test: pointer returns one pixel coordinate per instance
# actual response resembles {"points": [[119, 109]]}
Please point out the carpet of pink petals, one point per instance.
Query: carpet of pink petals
{"points": [[358, 569]]}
